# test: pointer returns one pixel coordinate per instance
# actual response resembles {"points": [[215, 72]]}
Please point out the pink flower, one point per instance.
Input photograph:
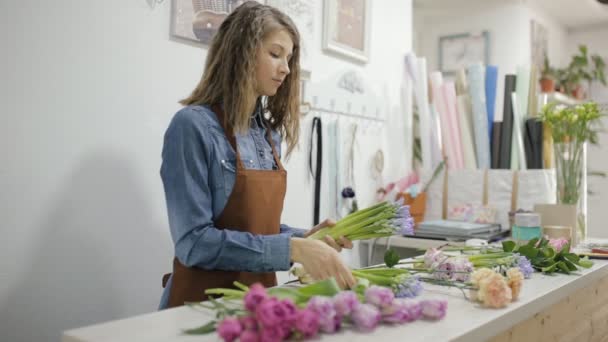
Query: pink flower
{"points": [[328, 317], [401, 311], [494, 291], [307, 323], [229, 329], [432, 256], [249, 323], [366, 317], [255, 295], [558, 244], [288, 313], [274, 333], [379, 296], [270, 312], [345, 302], [249, 336], [515, 279], [434, 308]]}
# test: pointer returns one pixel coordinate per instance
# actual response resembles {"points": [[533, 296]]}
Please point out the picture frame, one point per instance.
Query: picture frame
{"points": [[346, 29], [199, 20], [458, 51]]}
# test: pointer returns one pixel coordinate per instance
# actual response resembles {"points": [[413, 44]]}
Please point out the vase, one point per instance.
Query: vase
{"points": [[570, 170]]}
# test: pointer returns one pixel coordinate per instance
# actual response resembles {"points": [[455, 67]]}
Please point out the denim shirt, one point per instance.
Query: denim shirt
{"points": [[198, 173]]}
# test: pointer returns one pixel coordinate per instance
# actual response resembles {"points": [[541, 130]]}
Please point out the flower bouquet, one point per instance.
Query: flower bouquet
{"points": [[380, 220], [263, 314]]}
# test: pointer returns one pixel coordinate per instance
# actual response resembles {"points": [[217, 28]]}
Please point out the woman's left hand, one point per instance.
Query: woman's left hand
{"points": [[342, 242]]}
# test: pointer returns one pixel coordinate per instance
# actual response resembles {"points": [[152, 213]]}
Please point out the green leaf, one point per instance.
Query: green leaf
{"points": [[572, 257], [548, 252], [508, 246], [391, 258], [562, 266], [570, 264], [202, 330], [532, 242], [528, 251], [585, 262], [549, 269]]}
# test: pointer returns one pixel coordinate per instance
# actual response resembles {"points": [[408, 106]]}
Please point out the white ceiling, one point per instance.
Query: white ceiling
{"points": [[573, 14]]}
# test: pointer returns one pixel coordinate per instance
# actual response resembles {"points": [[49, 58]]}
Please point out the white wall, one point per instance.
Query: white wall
{"points": [[87, 91], [508, 24], [595, 39]]}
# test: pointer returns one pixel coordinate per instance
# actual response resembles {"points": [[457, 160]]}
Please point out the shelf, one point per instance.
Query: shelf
{"points": [[559, 98]]}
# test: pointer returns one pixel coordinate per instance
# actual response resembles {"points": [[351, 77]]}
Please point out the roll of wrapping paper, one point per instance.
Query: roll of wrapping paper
{"points": [[533, 92], [417, 71], [466, 132], [518, 139], [506, 136], [522, 90], [438, 102], [495, 146], [480, 117], [449, 96], [491, 76]]}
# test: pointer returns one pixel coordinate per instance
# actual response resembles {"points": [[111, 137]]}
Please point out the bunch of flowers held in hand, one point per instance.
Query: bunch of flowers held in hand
{"points": [[380, 220], [267, 318], [493, 290]]}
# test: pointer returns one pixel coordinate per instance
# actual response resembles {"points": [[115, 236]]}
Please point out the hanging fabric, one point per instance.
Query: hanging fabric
{"points": [[333, 168], [348, 193], [316, 129]]}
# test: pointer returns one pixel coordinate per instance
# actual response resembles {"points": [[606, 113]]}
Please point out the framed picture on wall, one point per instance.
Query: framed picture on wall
{"points": [[302, 13], [199, 20], [458, 51], [346, 28]]}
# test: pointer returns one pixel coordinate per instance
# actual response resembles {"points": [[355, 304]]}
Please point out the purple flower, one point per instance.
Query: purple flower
{"points": [[249, 336], [397, 312], [403, 211], [345, 302], [255, 295], [379, 296], [434, 308], [290, 312], [524, 265], [366, 317], [307, 323], [433, 256], [414, 308], [328, 317], [229, 329], [454, 268], [408, 286]]}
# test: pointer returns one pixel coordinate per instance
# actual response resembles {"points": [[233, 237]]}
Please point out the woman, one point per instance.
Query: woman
{"points": [[223, 178]]}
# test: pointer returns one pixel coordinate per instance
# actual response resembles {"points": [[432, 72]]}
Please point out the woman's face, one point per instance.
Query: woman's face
{"points": [[272, 64]]}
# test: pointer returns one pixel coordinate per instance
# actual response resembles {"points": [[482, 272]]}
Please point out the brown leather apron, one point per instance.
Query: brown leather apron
{"points": [[254, 206]]}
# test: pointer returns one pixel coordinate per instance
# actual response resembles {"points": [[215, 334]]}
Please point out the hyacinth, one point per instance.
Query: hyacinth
{"points": [[433, 256], [434, 308], [524, 265], [380, 220], [329, 319], [345, 302], [453, 268], [379, 296], [402, 283], [366, 317], [401, 311]]}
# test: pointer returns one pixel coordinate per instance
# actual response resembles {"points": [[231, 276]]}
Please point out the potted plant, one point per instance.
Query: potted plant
{"points": [[572, 128], [547, 77], [583, 67]]}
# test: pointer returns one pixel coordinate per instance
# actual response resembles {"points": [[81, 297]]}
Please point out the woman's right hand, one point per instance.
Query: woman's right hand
{"points": [[321, 261]]}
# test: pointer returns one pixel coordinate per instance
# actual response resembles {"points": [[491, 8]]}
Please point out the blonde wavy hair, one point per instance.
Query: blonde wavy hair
{"points": [[230, 73]]}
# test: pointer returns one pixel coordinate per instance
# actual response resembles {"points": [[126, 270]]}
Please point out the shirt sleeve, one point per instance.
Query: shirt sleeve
{"points": [[184, 172], [297, 232]]}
